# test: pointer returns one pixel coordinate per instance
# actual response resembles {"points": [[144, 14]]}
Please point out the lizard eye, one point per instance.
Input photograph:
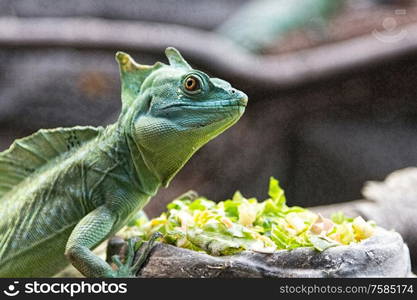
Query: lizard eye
{"points": [[192, 84]]}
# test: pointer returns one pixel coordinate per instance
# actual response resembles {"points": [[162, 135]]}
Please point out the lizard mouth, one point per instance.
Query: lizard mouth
{"points": [[221, 104]]}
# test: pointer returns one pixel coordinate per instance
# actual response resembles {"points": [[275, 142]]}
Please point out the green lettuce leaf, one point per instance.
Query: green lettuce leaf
{"points": [[241, 223]]}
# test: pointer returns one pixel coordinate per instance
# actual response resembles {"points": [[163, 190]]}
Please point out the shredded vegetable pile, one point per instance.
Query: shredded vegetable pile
{"points": [[238, 224]]}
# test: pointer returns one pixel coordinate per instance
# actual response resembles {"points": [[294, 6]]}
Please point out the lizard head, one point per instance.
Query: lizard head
{"points": [[173, 110]]}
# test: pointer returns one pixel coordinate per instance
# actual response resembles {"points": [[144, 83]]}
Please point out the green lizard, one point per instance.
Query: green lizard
{"points": [[66, 190]]}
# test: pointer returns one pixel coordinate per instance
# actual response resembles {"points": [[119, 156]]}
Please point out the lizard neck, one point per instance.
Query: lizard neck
{"points": [[125, 149]]}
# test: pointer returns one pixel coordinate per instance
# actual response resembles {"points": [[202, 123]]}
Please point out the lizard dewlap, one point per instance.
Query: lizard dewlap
{"points": [[239, 224]]}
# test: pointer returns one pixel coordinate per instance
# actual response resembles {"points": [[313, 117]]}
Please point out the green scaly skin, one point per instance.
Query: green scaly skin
{"points": [[72, 201]]}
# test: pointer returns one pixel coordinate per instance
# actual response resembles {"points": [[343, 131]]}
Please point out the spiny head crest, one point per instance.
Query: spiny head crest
{"points": [[134, 74], [175, 58], [128, 64]]}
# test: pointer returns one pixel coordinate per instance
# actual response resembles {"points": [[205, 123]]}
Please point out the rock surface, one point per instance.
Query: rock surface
{"points": [[383, 255], [392, 202]]}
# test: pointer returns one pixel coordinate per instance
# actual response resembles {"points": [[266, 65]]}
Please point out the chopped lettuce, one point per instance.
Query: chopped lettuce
{"points": [[238, 224]]}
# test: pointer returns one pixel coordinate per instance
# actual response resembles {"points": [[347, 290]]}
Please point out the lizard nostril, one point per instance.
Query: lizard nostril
{"points": [[243, 101], [233, 91]]}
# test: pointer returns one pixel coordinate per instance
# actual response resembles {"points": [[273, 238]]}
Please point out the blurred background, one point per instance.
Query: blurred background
{"points": [[331, 83]]}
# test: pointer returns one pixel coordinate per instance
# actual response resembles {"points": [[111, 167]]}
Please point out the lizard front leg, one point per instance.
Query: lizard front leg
{"points": [[93, 229]]}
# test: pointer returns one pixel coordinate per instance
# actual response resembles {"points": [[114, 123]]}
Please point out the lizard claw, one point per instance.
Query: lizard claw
{"points": [[125, 269], [145, 253], [128, 269]]}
